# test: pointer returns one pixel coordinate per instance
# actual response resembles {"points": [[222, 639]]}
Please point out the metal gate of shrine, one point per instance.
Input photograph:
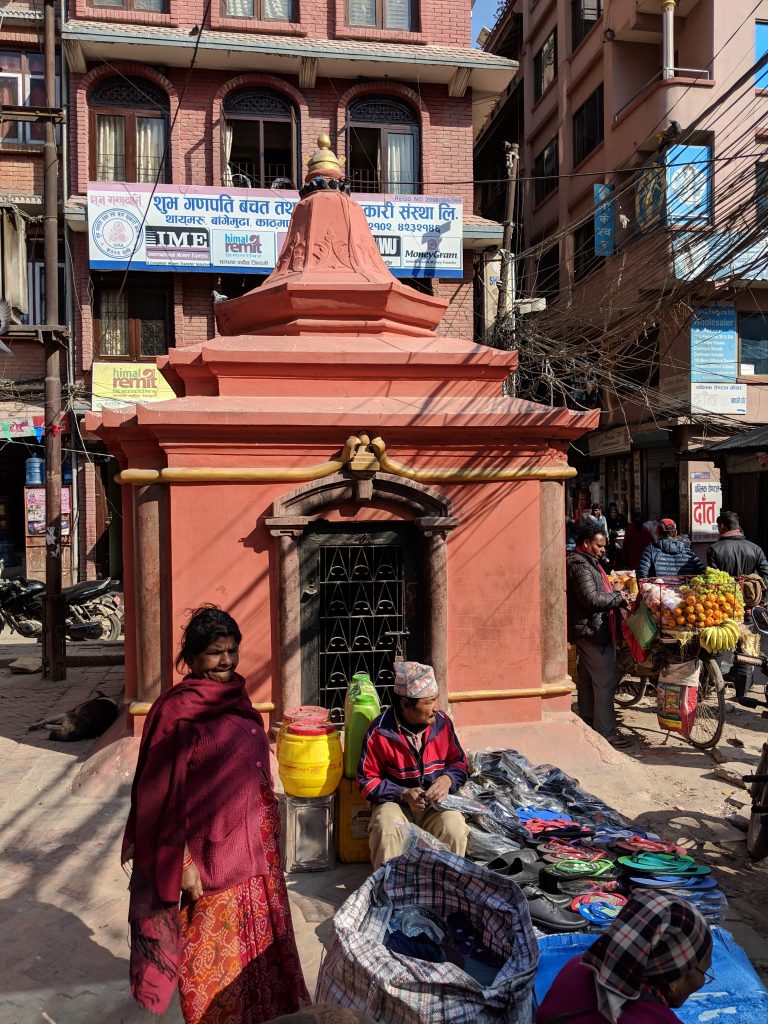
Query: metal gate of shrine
{"points": [[359, 602]]}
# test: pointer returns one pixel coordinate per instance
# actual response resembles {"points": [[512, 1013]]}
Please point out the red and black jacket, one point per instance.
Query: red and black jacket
{"points": [[389, 764]]}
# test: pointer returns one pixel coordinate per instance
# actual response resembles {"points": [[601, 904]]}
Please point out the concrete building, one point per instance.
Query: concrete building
{"points": [[641, 213], [22, 367], [190, 121]]}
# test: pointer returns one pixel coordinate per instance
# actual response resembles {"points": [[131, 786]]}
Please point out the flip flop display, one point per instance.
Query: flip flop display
{"points": [[665, 864], [641, 844], [579, 868]]}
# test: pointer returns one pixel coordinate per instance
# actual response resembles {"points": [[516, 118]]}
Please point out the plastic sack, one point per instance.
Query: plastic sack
{"points": [[642, 626], [683, 673], [483, 847], [676, 707], [360, 972]]}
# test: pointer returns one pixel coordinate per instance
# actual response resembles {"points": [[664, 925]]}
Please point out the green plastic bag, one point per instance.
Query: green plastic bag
{"points": [[642, 626]]}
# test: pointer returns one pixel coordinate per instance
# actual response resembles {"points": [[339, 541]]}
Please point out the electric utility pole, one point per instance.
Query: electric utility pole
{"points": [[506, 300], [54, 660]]}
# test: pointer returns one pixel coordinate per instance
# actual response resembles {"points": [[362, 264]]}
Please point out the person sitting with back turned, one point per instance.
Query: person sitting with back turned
{"points": [[733, 553], [411, 759], [668, 555]]}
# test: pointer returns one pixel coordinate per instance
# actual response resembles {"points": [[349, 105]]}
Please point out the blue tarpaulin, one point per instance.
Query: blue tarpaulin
{"points": [[736, 996]]}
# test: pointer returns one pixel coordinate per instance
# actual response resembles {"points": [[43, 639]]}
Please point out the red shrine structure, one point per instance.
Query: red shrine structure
{"points": [[348, 485]]}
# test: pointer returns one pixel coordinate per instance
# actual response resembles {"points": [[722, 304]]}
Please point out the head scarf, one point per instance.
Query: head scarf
{"points": [[415, 680], [655, 939]]}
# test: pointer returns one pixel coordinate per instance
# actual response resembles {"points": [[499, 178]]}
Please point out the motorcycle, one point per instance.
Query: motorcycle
{"points": [[757, 831], [93, 610]]}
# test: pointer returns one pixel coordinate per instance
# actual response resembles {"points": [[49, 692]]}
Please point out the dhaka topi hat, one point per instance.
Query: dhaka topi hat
{"points": [[655, 939], [412, 679]]}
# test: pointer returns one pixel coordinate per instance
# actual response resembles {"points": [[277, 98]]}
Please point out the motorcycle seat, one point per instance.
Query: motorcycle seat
{"points": [[86, 591]]}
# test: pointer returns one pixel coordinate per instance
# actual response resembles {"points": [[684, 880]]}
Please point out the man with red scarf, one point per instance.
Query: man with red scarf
{"points": [[593, 626]]}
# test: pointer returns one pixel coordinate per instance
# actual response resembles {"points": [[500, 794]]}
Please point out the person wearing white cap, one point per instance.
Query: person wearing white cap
{"points": [[410, 761]]}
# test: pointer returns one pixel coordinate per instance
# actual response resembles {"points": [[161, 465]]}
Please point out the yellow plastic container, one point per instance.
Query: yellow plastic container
{"points": [[353, 816], [309, 760], [303, 713]]}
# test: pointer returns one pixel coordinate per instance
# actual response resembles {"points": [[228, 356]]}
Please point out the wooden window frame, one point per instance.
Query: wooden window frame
{"points": [[260, 119], [130, 116], [380, 25], [259, 13], [136, 288], [384, 130], [24, 77]]}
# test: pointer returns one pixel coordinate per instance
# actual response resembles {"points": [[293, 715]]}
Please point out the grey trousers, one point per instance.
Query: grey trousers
{"points": [[596, 685]]}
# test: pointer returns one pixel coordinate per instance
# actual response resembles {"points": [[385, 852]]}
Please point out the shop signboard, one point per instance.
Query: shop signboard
{"points": [[719, 399], [609, 442], [714, 345], [688, 185], [22, 426], [706, 502], [116, 384], [720, 256], [34, 499], [605, 224], [194, 228]]}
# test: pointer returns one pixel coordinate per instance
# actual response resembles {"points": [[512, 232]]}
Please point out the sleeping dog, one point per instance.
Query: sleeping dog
{"points": [[84, 722]]}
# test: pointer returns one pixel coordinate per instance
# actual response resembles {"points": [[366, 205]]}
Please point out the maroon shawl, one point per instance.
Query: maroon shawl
{"points": [[156, 830]]}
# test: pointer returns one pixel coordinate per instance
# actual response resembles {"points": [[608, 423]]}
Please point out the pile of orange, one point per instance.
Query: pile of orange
{"points": [[699, 609]]}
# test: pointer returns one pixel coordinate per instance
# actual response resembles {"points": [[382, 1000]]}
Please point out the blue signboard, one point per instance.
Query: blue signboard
{"points": [[761, 48], [688, 185], [605, 231], [713, 345]]}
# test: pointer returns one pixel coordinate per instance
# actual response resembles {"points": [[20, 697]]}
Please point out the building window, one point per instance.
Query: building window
{"points": [[761, 191], [259, 138], [398, 15], [36, 292], [129, 127], [588, 126], [133, 317], [584, 259], [761, 48], [22, 85], [155, 6], [545, 171], [548, 273], [264, 10], [382, 146], [545, 65], [753, 344], [584, 15]]}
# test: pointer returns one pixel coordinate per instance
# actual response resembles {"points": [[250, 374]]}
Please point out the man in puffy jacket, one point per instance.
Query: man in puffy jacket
{"points": [[668, 555], [593, 626], [410, 761]]}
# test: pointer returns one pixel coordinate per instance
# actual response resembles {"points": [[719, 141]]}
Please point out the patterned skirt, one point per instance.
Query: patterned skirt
{"points": [[239, 962]]}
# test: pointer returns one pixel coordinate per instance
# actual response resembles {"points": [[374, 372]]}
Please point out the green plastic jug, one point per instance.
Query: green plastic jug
{"points": [[361, 706]]}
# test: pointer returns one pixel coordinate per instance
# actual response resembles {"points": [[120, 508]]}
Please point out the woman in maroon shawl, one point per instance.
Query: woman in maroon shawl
{"points": [[204, 828]]}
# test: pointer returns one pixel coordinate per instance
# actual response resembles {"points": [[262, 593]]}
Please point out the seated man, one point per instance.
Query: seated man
{"points": [[410, 760]]}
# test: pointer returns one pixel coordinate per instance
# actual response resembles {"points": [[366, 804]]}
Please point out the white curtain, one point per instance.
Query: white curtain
{"points": [[110, 147], [401, 163], [143, 5], [114, 323], [227, 141], [240, 8], [150, 143], [362, 12], [278, 10], [398, 14]]}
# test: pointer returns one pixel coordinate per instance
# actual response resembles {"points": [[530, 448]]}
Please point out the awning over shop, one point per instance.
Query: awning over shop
{"points": [[21, 419]]}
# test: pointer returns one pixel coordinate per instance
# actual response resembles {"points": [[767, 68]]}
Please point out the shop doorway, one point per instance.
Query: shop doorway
{"points": [[360, 601]]}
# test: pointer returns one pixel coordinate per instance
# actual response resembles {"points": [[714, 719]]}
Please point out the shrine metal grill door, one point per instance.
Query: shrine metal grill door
{"points": [[359, 598]]}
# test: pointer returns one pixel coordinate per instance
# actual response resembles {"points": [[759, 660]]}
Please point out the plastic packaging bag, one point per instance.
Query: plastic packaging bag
{"points": [[676, 707], [482, 847]]}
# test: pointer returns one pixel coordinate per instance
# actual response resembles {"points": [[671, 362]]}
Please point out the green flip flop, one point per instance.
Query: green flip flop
{"points": [[665, 864]]}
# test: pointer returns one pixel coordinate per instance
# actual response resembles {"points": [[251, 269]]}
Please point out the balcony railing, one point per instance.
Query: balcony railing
{"points": [[704, 73]]}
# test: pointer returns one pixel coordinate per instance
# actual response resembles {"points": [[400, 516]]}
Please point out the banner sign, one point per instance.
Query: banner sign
{"points": [[723, 399], [116, 384], [22, 426], [194, 228], [688, 182], [605, 228], [718, 256], [714, 345], [649, 195], [706, 502], [34, 501]]}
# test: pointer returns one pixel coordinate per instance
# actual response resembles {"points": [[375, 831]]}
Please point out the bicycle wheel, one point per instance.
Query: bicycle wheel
{"points": [[630, 690], [757, 833], [709, 719]]}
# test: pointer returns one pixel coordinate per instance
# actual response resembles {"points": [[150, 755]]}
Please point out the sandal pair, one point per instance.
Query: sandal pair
{"points": [[665, 864]]}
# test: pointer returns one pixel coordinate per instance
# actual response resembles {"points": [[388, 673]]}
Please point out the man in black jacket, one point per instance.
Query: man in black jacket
{"points": [[593, 624], [736, 555]]}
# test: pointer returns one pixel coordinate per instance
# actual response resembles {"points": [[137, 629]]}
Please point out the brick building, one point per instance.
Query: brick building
{"points": [[229, 97]]}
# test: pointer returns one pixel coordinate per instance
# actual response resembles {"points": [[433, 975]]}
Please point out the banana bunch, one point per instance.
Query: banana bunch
{"points": [[723, 637]]}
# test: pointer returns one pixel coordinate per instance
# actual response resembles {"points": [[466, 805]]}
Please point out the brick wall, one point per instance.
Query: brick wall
{"points": [[322, 19]]}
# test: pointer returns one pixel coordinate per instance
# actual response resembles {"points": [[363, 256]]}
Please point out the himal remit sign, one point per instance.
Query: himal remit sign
{"points": [[177, 245]]}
